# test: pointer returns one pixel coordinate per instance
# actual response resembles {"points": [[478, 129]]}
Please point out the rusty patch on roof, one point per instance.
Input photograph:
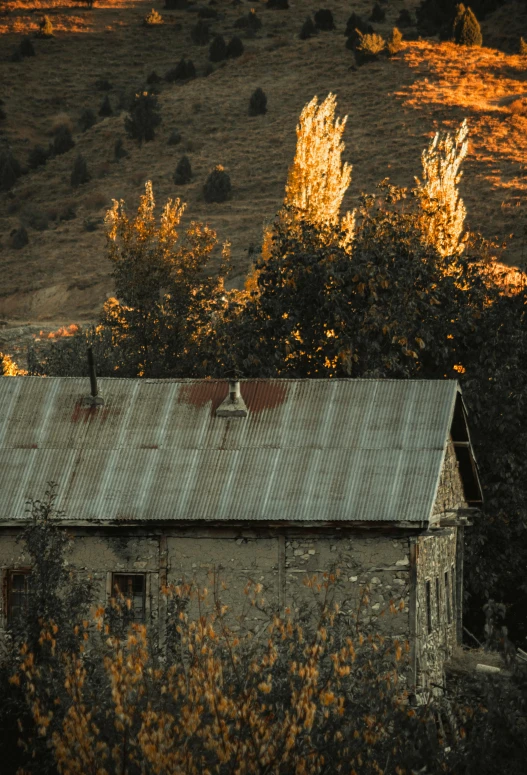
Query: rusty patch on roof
{"points": [[82, 413], [199, 394], [263, 395]]}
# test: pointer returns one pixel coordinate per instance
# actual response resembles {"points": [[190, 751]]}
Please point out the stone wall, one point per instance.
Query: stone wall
{"points": [[437, 602], [450, 494]]}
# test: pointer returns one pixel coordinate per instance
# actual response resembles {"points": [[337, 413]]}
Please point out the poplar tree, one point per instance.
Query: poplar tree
{"points": [[443, 211], [317, 179]]}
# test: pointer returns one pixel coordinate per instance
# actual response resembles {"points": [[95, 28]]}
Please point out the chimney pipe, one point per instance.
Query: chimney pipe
{"points": [[93, 376], [234, 390]]}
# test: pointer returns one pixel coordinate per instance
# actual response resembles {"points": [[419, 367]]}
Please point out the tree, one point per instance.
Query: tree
{"points": [[317, 180], [144, 118], [468, 31], [165, 301], [442, 207]]}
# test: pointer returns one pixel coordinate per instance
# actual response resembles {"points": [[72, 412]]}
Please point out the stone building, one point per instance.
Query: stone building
{"points": [[267, 480]]}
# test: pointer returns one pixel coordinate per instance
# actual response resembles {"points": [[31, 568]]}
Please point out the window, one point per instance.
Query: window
{"points": [[428, 608], [132, 587], [438, 599], [448, 599], [17, 594]]}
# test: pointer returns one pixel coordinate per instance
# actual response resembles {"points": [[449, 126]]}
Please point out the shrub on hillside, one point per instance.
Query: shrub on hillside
{"points": [[183, 71], [405, 19], [183, 173], [10, 170], [45, 28], [3, 114], [249, 22], [308, 29], [200, 33], [369, 48], [103, 84], [522, 48], [26, 48], [278, 5], [38, 156], [394, 43], [206, 12], [324, 20], [144, 118], [153, 78], [79, 174], [234, 48], [218, 49], [468, 31], [175, 137], [217, 187], [35, 218], [153, 18], [87, 119], [19, 238], [62, 141], [258, 102], [106, 107], [378, 14], [355, 22], [119, 152], [459, 12]]}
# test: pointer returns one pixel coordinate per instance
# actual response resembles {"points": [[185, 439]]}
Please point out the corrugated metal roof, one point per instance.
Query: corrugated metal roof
{"points": [[309, 450]]}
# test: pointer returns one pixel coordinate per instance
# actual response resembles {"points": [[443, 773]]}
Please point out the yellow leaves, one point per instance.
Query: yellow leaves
{"points": [[459, 368], [327, 698], [14, 679], [265, 686], [419, 342]]}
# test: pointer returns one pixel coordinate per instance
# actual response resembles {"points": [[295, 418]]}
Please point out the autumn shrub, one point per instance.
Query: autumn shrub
{"points": [[378, 14], [37, 157], [87, 119], [324, 20], [10, 169], [369, 48], [62, 141], [218, 49], [308, 29], [45, 28], [394, 43], [143, 119], [217, 187], [106, 107], [200, 33], [183, 173], [258, 102], [79, 174], [235, 48], [153, 19], [468, 31]]}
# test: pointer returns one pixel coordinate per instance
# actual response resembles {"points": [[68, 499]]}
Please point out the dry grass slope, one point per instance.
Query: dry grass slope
{"points": [[393, 106]]}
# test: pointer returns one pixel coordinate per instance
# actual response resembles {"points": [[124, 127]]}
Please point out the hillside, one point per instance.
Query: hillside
{"points": [[393, 105]]}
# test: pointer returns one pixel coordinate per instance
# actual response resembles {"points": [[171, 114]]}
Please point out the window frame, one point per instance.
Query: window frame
{"points": [[132, 574], [9, 573]]}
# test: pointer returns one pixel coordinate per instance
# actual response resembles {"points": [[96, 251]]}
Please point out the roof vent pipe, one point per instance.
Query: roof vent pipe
{"points": [[93, 376], [233, 405], [94, 399], [234, 390]]}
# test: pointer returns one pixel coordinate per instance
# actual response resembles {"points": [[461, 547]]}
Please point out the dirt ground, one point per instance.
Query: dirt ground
{"points": [[394, 106]]}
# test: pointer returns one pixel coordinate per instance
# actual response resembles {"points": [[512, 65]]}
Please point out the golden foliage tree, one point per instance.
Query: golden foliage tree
{"points": [[317, 179], [442, 208]]}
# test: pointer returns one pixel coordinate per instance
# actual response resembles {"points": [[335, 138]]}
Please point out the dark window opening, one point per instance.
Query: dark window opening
{"points": [[438, 599], [428, 608], [448, 600], [132, 587], [17, 595], [459, 423]]}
